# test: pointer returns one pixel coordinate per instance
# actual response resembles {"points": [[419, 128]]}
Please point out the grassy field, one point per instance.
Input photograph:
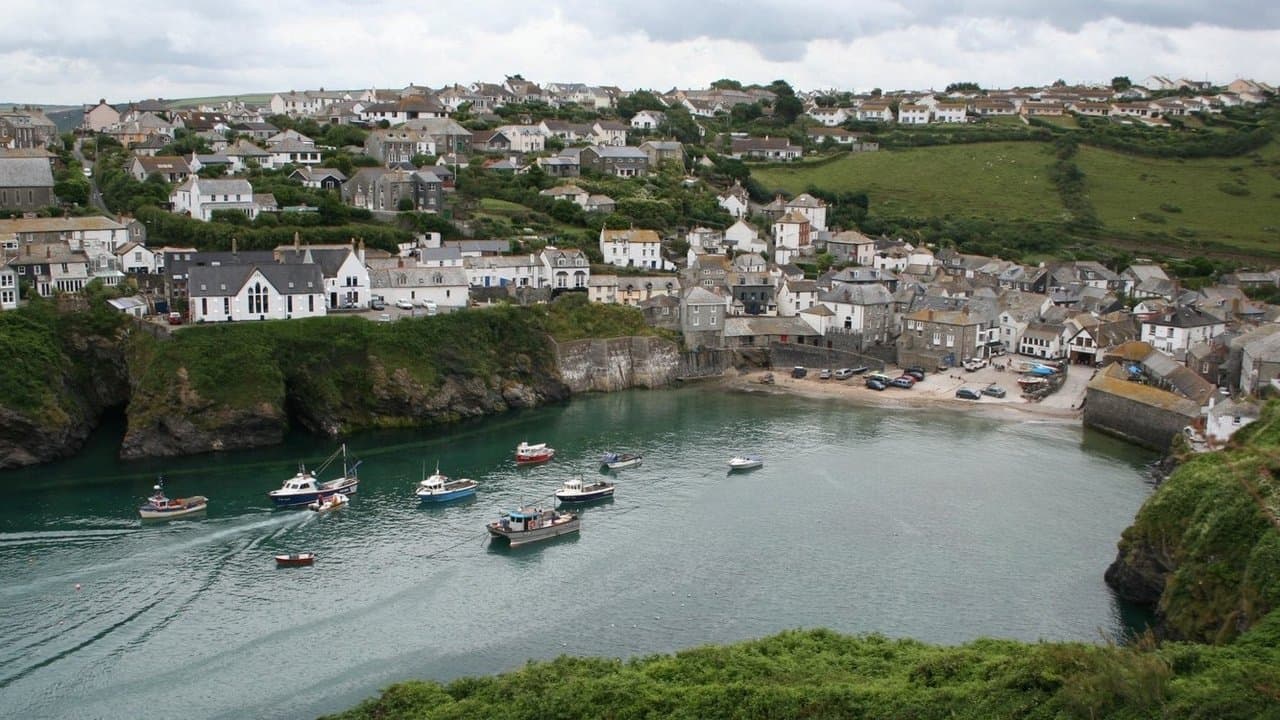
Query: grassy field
{"points": [[1001, 181], [1233, 201]]}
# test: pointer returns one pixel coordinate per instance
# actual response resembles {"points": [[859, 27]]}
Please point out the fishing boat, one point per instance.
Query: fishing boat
{"points": [[440, 488], [618, 461], [160, 507], [578, 491], [306, 488], [526, 525], [527, 454], [295, 559], [333, 502], [745, 462], [1032, 382]]}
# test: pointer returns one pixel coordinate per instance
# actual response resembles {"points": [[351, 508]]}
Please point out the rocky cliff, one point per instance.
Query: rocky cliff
{"points": [[1204, 550], [617, 363]]}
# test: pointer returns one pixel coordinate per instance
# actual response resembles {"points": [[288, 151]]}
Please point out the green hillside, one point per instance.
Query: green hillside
{"points": [[1169, 203]]}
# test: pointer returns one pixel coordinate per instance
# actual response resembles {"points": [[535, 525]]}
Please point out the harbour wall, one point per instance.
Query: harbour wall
{"points": [[618, 363], [1140, 423]]}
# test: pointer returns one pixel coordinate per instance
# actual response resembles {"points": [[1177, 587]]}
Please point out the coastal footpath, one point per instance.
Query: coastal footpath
{"points": [[1204, 551], [229, 386]]}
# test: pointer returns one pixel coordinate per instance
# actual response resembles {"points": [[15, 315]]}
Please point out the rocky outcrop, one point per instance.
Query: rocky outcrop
{"points": [[617, 363]]}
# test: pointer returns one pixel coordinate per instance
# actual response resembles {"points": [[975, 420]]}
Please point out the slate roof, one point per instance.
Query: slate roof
{"points": [[222, 280], [25, 172], [330, 259]]}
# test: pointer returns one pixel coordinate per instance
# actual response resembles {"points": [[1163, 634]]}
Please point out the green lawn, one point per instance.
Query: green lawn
{"points": [[1128, 193], [1002, 181]]}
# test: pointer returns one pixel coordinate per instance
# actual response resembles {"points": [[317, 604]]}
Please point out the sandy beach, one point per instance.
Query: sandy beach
{"points": [[936, 391]]}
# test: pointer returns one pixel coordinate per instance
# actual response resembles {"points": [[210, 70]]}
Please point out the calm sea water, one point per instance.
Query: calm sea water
{"points": [[931, 525]]}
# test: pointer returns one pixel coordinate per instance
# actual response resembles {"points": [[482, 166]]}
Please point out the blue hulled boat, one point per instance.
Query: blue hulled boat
{"points": [[305, 487], [440, 488]]}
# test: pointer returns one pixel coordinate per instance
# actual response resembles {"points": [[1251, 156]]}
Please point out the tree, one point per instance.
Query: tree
{"points": [[1120, 83], [963, 87], [1059, 83], [787, 107], [726, 84], [681, 125], [637, 101], [405, 204]]}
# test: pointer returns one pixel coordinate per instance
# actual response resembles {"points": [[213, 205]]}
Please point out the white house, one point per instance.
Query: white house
{"points": [[1175, 329], [609, 132], [446, 287], [292, 151], [829, 117], [220, 293], [565, 269], [912, 114], [633, 248], [744, 238], [790, 237], [944, 112], [735, 200], [137, 258], [524, 138], [346, 278], [793, 296], [648, 119], [810, 207], [200, 197], [503, 270], [602, 289], [9, 291]]}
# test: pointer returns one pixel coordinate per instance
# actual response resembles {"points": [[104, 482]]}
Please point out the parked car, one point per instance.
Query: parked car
{"points": [[825, 374], [843, 374], [798, 372], [993, 390], [967, 393], [914, 369], [404, 304], [175, 318], [377, 303], [974, 364], [860, 369], [915, 374], [885, 379], [905, 382], [875, 384], [431, 307]]}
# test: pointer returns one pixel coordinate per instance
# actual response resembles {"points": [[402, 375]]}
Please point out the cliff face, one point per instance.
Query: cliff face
{"points": [[1204, 550], [617, 363]]}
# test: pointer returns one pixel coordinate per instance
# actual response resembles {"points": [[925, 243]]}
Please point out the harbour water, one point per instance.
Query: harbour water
{"points": [[923, 524]]}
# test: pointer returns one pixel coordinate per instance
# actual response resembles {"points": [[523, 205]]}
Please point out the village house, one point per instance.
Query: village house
{"points": [[99, 117], [445, 287], [602, 289], [320, 178], [566, 269], [742, 237], [404, 109], [517, 271], [609, 133], [852, 246], [398, 145], [342, 267], [245, 156], [51, 267], [765, 148], [170, 168], [28, 127], [863, 310], [912, 114], [223, 293], [135, 258], [828, 117], [810, 207], [660, 151], [795, 295], [702, 316], [634, 290], [1175, 329], [950, 112], [623, 162], [791, 237], [875, 111], [1044, 340], [299, 150], [941, 338], [735, 200], [648, 120], [633, 248], [385, 190], [200, 198]]}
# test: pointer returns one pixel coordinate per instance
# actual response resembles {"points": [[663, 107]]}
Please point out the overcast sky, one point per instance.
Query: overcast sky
{"points": [[75, 51]]}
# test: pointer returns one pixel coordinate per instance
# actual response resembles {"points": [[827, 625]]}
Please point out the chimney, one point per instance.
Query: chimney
{"points": [[360, 252]]}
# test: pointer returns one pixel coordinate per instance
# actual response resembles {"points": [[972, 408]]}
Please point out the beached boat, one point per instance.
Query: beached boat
{"points": [[159, 507], [440, 488], [333, 502], [618, 461], [305, 487], [745, 462], [1032, 382], [295, 559], [526, 525], [578, 491], [527, 454]]}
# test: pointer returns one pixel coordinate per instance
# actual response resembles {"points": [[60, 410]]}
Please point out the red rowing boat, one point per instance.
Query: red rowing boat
{"points": [[527, 454], [295, 559]]}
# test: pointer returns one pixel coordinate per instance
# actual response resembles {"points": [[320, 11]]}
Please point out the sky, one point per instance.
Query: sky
{"points": [[77, 51]]}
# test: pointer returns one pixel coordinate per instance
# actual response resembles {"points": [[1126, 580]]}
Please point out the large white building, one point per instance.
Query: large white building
{"points": [[346, 278], [220, 293], [1174, 330], [633, 248], [566, 269], [200, 197]]}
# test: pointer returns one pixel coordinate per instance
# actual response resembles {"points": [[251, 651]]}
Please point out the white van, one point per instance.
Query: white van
{"points": [[430, 305]]}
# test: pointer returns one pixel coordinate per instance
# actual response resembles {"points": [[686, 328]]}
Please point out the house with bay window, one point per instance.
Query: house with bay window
{"points": [[222, 293], [565, 269], [9, 291]]}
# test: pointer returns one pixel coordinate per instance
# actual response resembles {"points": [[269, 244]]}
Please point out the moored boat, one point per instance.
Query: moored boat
{"points": [[576, 490], [745, 462], [295, 559], [618, 461], [527, 454], [526, 525], [305, 487], [333, 502], [441, 488], [160, 507]]}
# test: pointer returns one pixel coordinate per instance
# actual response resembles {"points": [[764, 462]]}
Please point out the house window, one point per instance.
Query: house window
{"points": [[258, 296], [288, 303], [204, 306], [311, 303], [226, 306]]}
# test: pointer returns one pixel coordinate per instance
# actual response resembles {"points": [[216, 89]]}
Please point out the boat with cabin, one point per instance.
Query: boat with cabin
{"points": [[295, 559], [619, 461], [526, 525], [527, 454], [576, 490], [439, 487], [161, 507], [745, 462], [306, 487], [333, 502]]}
